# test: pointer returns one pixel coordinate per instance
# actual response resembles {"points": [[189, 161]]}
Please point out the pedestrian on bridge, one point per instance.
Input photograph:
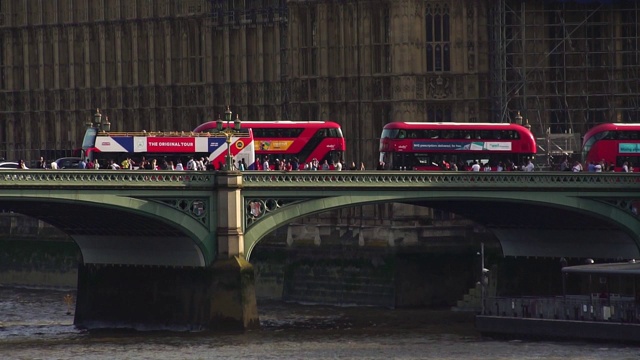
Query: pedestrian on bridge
{"points": [[577, 166], [529, 166]]}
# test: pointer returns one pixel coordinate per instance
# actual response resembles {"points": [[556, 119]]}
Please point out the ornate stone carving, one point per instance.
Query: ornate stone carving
{"points": [[459, 87], [472, 113], [419, 87], [471, 48], [255, 209], [169, 97], [439, 87], [73, 99], [39, 101], [152, 97], [136, 98], [118, 95], [625, 204], [324, 91], [260, 90]]}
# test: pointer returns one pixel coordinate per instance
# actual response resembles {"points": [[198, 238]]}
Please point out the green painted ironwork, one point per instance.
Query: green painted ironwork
{"points": [[282, 185], [197, 207], [107, 178], [273, 198], [464, 179], [168, 204], [293, 195]]}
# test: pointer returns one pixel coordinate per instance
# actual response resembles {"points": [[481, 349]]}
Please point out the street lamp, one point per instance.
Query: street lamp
{"points": [[484, 280], [97, 119], [518, 118], [228, 133], [100, 122]]}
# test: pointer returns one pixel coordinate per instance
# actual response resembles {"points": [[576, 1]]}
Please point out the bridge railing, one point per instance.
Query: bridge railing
{"points": [[106, 178], [457, 179], [570, 307], [319, 179]]}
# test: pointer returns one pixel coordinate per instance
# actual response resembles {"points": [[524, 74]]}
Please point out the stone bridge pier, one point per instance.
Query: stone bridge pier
{"points": [[220, 295]]}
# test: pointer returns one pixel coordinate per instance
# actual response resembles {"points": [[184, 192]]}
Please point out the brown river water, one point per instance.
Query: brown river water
{"points": [[34, 325]]}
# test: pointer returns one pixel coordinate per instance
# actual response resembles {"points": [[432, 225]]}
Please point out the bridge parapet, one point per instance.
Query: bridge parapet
{"points": [[449, 179], [313, 179], [107, 178]]}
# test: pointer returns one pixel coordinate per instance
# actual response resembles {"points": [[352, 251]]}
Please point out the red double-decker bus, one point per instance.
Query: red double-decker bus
{"points": [[613, 144], [438, 146], [286, 140]]}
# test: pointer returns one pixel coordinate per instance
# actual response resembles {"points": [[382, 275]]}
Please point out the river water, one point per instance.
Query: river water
{"points": [[34, 324]]}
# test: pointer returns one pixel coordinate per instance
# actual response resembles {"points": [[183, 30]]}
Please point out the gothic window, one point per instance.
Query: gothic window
{"points": [[143, 54], [195, 40], [3, 65], [381, 33], [110, 56], [34, 67], [309, 111], [308, 41], [382, 114], [437, 27], [194, 7], [438, 113]]}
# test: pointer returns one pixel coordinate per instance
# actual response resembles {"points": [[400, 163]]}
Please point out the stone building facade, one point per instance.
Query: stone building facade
{"points": [[173, 64]]}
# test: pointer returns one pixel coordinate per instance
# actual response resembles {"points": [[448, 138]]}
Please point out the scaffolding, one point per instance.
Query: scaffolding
{"points": [[565, 65], [173, 64]]}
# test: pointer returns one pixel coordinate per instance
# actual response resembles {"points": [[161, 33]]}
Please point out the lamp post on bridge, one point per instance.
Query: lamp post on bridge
{"points": [[100, 122], [228, 133], [518, 118], [97, 119], [484, 281]]}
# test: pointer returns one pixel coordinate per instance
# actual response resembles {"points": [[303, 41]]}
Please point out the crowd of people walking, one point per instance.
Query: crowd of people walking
{"points": [[293, 164]]}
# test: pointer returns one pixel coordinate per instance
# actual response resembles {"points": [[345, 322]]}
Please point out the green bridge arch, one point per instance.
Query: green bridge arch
{"points": [[193, 218], [602, 199], [123, 218]]}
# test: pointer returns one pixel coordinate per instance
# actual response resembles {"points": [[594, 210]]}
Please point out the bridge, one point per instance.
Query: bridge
{"points": [[172, 249]]}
